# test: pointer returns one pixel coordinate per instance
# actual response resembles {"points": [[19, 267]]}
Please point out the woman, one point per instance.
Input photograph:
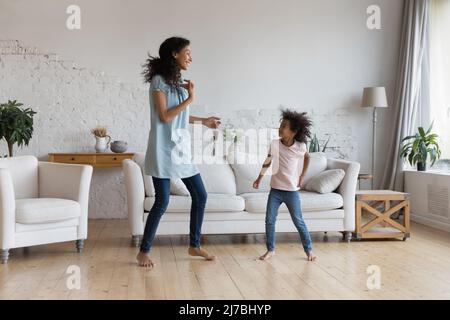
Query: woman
{"points": [[170, 98]]}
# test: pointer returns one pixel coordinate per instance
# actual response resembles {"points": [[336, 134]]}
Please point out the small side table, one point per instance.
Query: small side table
{"points": [[382, 225]]}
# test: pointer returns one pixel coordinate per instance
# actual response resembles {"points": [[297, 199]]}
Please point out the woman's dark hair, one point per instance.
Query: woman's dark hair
{"points": [[165, 65], [298, 122]]}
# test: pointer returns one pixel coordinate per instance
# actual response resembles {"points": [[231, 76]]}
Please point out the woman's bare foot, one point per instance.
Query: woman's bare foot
{"points": [[200, 252], [144, 260], [267, 255], [311, 256]]}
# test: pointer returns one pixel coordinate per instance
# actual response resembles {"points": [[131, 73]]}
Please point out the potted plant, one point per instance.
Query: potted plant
{"points": [[314, 145], [16, 124], [418, 147]]}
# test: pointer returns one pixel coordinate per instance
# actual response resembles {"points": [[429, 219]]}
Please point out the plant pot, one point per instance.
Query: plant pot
{"points": [[421, 166]]}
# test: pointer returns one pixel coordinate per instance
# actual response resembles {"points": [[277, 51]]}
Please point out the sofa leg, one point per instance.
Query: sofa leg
{"points": [[348, 236], [5, 255], [136, 240], [80, 245]]}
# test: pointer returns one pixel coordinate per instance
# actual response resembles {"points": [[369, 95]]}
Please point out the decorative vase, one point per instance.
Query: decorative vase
{"points": [[118, 146], [101, 143]]}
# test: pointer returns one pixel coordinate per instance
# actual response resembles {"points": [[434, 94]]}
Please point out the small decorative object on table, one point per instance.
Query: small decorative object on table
{"points": [[118, 146], [101, 137], [383, 225]]}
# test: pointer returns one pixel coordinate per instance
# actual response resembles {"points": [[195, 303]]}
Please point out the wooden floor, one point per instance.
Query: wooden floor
{"points": [[416, 269]]}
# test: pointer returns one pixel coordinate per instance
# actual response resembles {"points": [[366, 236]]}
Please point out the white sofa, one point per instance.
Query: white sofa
{"points": [[42, 202], [233, 206]]}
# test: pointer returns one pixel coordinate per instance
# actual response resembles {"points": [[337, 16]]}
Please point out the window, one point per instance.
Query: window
{"points": [[439, 59]]}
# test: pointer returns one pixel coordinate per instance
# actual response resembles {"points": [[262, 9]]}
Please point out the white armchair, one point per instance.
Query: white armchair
{"points": [[42, 202]]}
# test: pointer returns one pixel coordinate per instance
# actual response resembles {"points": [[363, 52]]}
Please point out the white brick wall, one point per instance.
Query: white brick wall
{"points": [[70, 100]]}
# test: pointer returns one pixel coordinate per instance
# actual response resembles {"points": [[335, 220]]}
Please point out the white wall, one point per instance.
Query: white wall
{"points": [[311, 55]]}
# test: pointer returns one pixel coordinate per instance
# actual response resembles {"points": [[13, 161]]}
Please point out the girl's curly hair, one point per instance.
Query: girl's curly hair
{"points": [[299, 122], [165, 65]]}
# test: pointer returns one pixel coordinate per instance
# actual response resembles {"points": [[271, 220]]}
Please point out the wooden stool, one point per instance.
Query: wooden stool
{"points": [[382, 226]]}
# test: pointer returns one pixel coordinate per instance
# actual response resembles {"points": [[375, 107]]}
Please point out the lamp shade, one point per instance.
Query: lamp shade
{"points": [[374, 97]]}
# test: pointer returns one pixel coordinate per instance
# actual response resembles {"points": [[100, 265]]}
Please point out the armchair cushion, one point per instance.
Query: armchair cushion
{"points": [[46, 210]]}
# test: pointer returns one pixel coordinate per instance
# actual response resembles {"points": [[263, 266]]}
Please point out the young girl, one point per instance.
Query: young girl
{"points": [[286, 180]]}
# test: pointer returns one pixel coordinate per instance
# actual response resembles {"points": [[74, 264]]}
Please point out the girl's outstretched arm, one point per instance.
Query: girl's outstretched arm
{"points": [[264, 168]]}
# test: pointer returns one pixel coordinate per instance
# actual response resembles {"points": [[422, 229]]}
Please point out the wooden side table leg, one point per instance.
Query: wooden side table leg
{"points": [[358, 219], [407, 221]]}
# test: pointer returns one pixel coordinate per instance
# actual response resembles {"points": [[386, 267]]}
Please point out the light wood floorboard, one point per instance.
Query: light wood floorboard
{"points": [[416, 269]]}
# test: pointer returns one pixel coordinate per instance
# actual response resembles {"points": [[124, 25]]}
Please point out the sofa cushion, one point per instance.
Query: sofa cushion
{"points": [[139, 158], [46, 210], [246, 168], [215, 203], [326, 181], [178, 188], [311, 201], [317, 164], [218, 178]]}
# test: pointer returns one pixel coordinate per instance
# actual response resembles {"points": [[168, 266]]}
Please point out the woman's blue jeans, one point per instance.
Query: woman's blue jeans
{"points": [[199, 196], [292, 201]]}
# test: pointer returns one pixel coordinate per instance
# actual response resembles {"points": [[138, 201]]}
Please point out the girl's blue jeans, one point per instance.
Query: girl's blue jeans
{"points": [[292, 201]]}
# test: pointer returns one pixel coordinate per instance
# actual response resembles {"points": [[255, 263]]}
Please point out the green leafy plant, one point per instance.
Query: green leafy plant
{"points": [[418, 147], [314, 145], [16, 124]]}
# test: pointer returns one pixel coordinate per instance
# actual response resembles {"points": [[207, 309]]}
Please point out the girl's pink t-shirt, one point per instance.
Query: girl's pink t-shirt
{"points": [[287, 163]]}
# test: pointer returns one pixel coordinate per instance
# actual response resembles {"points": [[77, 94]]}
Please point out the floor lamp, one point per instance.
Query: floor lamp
{"points": [[374, 97]]}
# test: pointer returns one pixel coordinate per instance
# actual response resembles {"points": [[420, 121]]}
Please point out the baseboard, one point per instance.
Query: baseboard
{"points": [[430, 222]]}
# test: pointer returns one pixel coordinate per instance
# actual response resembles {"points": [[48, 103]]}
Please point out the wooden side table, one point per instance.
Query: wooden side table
{"points": [[382, 225], [95, 159]]}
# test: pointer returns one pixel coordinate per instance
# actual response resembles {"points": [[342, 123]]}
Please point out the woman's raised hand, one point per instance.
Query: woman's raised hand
{"points": [[189, 86], [212, 122]]}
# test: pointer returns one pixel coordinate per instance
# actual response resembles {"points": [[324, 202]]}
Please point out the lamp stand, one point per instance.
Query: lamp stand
{"points": [[374, 141]]}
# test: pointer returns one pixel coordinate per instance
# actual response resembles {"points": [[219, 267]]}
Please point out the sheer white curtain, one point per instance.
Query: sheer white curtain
{"points": [[439, 52], [410, 86]]}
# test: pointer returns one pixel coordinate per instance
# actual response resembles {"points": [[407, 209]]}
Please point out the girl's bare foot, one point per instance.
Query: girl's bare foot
{"points": [[144, 260], [200, 252], [267, 255], [310, 256]]}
